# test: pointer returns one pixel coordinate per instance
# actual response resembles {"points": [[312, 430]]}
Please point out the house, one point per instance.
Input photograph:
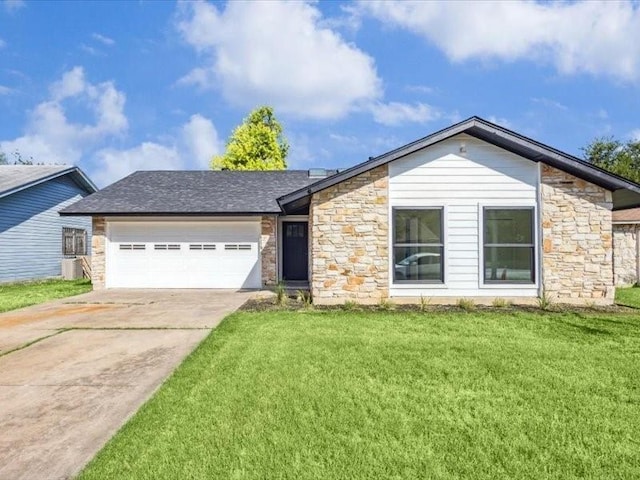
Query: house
{"points": [[474, 210], [626, 246], [33, 237]]}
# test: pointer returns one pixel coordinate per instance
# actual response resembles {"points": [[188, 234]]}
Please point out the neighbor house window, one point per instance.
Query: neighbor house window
{"points": [[508, 241], [418, 245], [74, 241]]}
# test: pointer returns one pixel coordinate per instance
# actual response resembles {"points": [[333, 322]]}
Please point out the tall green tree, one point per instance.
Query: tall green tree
{"points": [[257, 144], [615, 156]]}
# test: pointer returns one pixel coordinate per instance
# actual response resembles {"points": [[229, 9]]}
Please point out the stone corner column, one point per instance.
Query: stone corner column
{"points": [[98, 242]]}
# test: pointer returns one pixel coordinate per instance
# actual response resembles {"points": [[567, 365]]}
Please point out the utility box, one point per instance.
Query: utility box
{"points": [[72, 268]]}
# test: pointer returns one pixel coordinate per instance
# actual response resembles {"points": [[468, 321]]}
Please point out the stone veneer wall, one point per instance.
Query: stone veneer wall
{"points": [[625, 254], [269, 250], [349, 225], [97, 252], [577, 239]]}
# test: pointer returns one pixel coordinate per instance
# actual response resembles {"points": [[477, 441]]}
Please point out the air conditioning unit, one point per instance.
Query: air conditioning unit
{"points": [[71, 268]]}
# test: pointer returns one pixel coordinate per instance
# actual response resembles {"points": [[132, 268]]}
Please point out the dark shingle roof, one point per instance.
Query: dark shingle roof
{"points": [[193, 192]]}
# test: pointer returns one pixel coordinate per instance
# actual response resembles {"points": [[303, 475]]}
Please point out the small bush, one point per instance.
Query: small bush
{"points": [[386, 304], [304, 297], [545, 302], [500, 303], [281, 294], [466, 304], [350, 305], [424, 302]]}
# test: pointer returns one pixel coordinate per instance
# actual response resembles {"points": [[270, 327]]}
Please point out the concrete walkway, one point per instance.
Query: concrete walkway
{"points": [[95, 358]]}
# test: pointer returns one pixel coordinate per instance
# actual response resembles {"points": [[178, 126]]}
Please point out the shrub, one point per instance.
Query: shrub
{"points": [[386, 304], [500, 303], [466, 304], [281, 294], [545, 302], [304, 297], [350, 305], [424, 302]]}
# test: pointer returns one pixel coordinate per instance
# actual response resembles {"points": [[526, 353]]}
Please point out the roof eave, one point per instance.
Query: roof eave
{"points": [[115, 213], [489, 132], [83, 180], [376, 161]]}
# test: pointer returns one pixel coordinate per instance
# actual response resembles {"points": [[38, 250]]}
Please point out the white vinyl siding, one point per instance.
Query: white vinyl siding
{"points": [[183, 254], [462, 182]]}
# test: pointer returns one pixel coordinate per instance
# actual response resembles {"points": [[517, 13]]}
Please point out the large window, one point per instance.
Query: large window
{"points": [[418, 246], [74, 241], [509, 252]]}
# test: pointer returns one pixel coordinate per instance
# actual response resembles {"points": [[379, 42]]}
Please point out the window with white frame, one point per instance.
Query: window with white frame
{"points": [[418, 245], [508, 245]]}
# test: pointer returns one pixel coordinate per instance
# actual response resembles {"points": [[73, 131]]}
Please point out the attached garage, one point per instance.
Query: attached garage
{"points": [[188, 229], [183, 254]]}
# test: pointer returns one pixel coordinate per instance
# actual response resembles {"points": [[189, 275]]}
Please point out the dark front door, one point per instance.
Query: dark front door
{"points": [[295, 251]]}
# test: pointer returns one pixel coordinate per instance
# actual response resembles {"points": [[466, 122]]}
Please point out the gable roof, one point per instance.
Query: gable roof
{"points": [[193, 192], [14, 178], [626, 192]]}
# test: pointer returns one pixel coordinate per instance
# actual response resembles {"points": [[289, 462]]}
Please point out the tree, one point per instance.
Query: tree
{"points": [[615, 156], [257, 144], [17, 159]]}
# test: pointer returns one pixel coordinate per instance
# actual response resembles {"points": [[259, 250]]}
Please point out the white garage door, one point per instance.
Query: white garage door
{"points": [[183, 255]]}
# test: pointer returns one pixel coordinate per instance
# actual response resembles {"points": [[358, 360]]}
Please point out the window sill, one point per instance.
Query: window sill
{"points": [[499, 286], [426, 286]]}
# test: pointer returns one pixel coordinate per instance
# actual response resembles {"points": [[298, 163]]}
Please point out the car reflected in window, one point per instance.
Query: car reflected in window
{"points": [[419, 266]]}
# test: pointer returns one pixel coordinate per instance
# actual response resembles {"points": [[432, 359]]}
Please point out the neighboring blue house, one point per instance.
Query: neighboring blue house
{"points": [[33, 236]]}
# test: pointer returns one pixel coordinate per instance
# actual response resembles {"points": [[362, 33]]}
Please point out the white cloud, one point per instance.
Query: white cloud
{"points": [[2, 43], [199, 77], [103, 99], [193, 147], [14, 5], [113, 164], [5, 90], [200, 138], [424, 89], [397, 113], [278, 53], [548, 102], [598, 37], [103, 39], [90, 50], [344, 139], [635, 135], [503, 122], [50, 136], [602, 114]]}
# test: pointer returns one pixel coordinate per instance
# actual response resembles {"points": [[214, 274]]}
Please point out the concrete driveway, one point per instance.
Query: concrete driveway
{"points": [[95, 358]]}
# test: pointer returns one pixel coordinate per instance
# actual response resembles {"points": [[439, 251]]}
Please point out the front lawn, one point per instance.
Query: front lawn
{"points": [[629, 297], [23, 294], [367, 395]]}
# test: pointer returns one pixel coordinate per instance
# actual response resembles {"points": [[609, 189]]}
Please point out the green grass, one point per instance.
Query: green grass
{"points": [[18, 295], [366, 395], [629, 297]]}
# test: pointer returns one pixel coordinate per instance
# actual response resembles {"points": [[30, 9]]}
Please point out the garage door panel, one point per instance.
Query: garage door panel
{"points": [[184, 255]]}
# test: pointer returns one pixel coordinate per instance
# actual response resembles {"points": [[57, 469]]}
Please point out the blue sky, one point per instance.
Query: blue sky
{"points": [[121, 86]]}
